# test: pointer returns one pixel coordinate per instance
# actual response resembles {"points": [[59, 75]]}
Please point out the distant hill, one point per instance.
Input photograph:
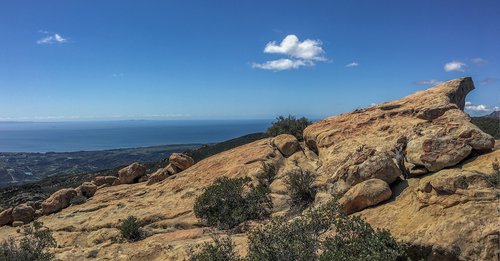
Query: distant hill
{"points": [[489, 123]]}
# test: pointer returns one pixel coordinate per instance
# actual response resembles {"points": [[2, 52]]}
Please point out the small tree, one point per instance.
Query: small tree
{"points": [[289, 125], [301, 189], [34, 246], [130, 229], [224, 204]]}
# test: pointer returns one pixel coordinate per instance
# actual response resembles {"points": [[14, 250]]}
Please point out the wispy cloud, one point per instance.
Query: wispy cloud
{"points": [[455, 66], [305, 53], [353, 64], [488, 80], [51, 38], [428, 82], [469, 106], [118, 75], [479, 61]]}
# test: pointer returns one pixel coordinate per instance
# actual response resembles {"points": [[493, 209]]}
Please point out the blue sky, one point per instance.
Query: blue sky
{"points": [[101, 60]]}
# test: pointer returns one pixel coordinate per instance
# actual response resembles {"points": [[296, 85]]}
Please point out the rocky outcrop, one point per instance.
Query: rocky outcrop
{"points": [[57, 201], [287, 144], [131, 173], [162, 174], [442, 214], [180, 161], [106, 180], [24, 213], [365, 194], [6, 217], [87, 189]]}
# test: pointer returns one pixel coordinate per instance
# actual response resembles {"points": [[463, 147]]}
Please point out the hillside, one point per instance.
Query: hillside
{"points": [[438, 194], [489, 124]]}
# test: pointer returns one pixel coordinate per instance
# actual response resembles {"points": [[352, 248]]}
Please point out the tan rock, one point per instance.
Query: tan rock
{"points": [[57, 201], [23, 213], [17, 223], [6, 217], [158, 176], [87, 189], [181, 161], [365, 194], [131, 173], [106, 180], [287, 144]]}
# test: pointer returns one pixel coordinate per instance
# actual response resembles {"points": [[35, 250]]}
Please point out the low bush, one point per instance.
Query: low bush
{"points": [[289, 125], [301, 188], [225, 204], [34, 246], [221, 249], [130, 229]]}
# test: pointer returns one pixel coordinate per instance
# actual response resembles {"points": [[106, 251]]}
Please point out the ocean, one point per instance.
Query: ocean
{"points": [[90, 136]]}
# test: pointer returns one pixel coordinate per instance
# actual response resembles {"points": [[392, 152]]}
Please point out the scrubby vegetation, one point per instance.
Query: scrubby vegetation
{"points": [[299, 239], [221, 249], [34, 246], [289, 125], [131, 229], [226, 203], [301, 188], [489, 125]]}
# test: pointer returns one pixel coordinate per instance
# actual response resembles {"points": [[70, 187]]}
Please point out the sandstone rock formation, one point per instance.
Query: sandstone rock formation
{"points": [[6, 217], [162, 174], [287, 144], [24, 213], [443, 214], [87, 189], [131, 173], [181, 161], [106, 180], [57, 201], [367, 193]]}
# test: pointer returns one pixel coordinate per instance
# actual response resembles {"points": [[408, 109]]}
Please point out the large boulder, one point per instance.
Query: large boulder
{"points": [[59, 200], [131, 173], [287, 144], [364, 164], [365, 194], [161, 174], [6, 217], [87, 189], [106, 180], [24, 213], [181, 161]]}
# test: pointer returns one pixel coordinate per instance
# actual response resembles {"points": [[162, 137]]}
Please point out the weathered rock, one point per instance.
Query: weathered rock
{"points": [[24, 213], [161, 174], [57, 201], [287, 144], [131, 173], [364, 164], [365, 194], [106, 180], [87, 189], [17, 223], [6, 217], [181, 161]]}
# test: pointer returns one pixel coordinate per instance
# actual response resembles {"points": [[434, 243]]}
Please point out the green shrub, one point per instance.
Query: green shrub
{"points": [[224, 204], [130, 229], [301, 189], [34, 246], [289, 125], [266, 176], [222, 249], [80, 199], [299, 238]]}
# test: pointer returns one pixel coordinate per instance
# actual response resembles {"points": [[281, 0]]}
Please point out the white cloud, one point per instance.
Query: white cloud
{"points": [[469, 106], [293, 47], [51, 38], [353, 64], [487, 81], [479, 61], [282, 64], [456, 66], [428, 82], [300, 54]]}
